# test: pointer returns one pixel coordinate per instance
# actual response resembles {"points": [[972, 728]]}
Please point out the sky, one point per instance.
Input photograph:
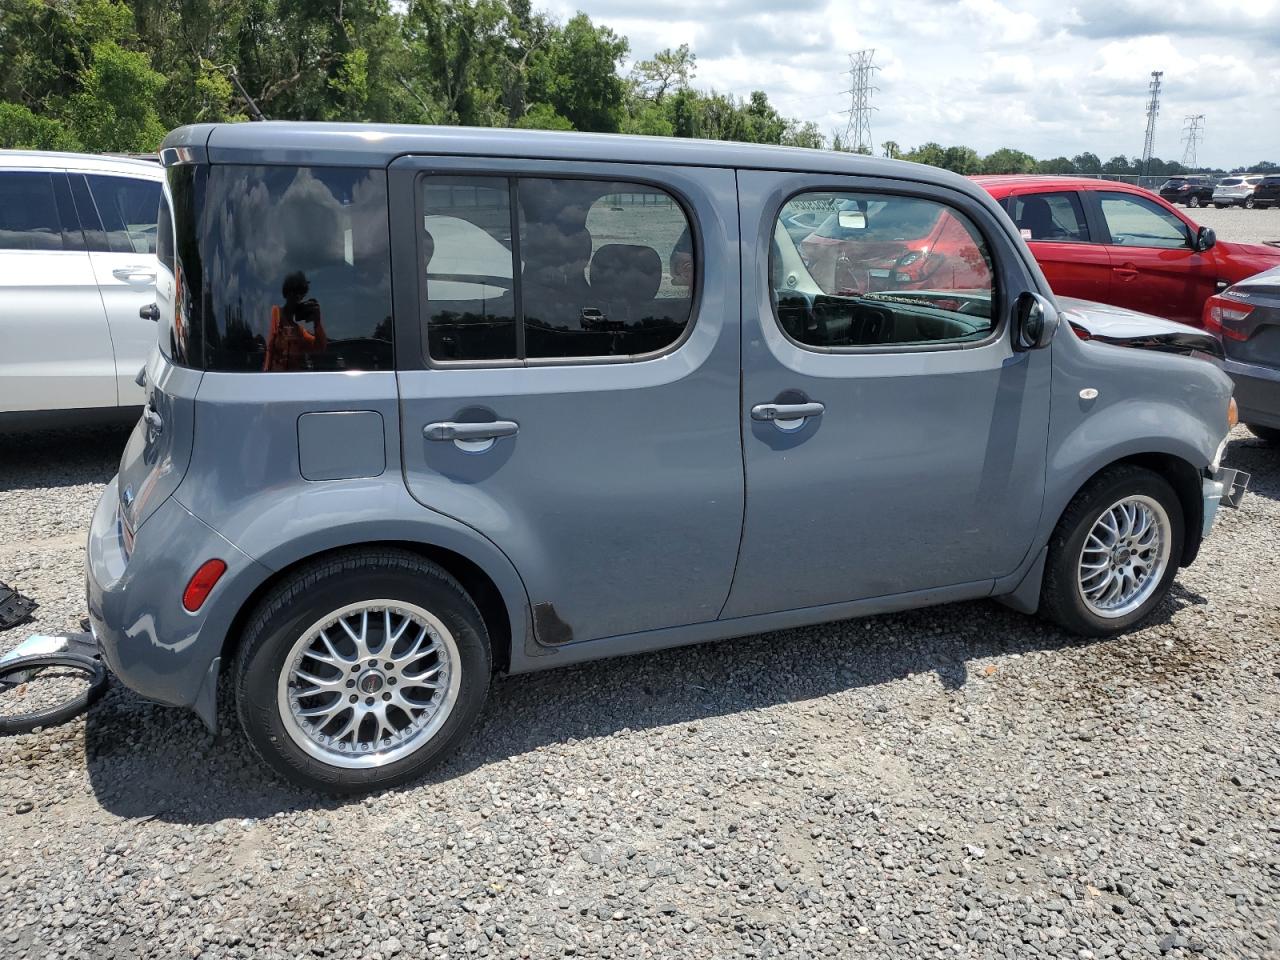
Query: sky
{"points": [[1051, 78]]}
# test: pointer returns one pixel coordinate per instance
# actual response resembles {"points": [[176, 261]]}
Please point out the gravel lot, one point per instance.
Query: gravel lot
{"points": [[1239, 224], [956, 782]]}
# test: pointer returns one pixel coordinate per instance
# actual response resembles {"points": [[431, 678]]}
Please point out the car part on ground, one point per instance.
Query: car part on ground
{"points": [[14, 607], [47, 680]]}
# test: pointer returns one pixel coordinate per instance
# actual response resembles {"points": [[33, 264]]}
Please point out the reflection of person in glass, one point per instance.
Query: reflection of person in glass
{"points": [[681, 262], [289, 341]]}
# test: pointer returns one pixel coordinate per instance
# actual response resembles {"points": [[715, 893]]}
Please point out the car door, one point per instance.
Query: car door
{"points": [[1056, 229], [567, 341], [55, 347], [122, 248], [894, 441], [1154, 267]]}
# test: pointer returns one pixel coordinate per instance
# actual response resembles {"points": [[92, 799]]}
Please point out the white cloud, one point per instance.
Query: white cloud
{"points": [[1048, 77]]}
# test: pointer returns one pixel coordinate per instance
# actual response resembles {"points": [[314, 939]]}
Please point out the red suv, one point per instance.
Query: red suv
{"points": [[1123, 245]]}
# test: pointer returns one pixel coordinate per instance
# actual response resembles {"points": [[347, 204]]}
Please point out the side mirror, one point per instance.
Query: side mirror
{"points": [[1035, 322], [1205, 238]]}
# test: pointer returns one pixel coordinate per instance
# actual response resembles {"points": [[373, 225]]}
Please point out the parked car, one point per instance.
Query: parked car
{"points": [[388, 450], [1193, 191], [1267, 192], [1115, 243], [1236, 192], [1247, 318], [77, 261]]}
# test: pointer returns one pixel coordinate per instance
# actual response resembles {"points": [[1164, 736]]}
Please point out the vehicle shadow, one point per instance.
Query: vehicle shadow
{"points": [[150, 762], [1258, 458], [69, 457]]}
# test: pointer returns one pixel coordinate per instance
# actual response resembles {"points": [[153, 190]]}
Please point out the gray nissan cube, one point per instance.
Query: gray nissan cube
{"points": [[434, 404]]}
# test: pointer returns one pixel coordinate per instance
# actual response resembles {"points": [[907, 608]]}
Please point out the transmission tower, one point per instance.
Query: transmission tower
{"points": [[1192, 134], [1153, 109], [857, 131]]}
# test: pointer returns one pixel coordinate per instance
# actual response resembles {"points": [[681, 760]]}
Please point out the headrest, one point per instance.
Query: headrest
{"points": [[626, 271]]}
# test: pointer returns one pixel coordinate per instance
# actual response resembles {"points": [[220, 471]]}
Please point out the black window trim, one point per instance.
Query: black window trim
{"points": [[1089, 230], [53, 173], [915, 191], [97, 211], [1095, 197], [512, 176]]}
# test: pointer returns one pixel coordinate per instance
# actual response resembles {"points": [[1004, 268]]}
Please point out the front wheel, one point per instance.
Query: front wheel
{"points": [[1193, 202], [1249, 204], [361, 670], [1113, 555]]}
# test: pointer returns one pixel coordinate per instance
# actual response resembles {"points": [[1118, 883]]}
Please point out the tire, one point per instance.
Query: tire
{"points": [[1063, 599], [1248, 204], [438, 664], [95, 673], [1270, 434], [1193, 202]]}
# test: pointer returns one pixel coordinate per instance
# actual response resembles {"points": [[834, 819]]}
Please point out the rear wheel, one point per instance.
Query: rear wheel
{"points": [[1248, 204], [361, 671], [1269, 434], [1113, 555], [1193, 202]]}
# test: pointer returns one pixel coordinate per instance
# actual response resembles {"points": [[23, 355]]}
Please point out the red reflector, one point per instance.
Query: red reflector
{"points": [[202, 583]]}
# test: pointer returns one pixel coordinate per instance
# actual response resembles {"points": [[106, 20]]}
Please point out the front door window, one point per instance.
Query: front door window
{"points": [[1138, 222]]}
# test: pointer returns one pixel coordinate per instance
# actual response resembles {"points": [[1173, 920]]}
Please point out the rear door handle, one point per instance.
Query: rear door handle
{"points": [[137, 273], [1126, 273], [773, 412], [449, 430]]}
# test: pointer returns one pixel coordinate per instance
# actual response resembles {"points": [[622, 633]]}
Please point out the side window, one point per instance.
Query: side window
{"points": [[468, 265], [588, 268], [128, 209], [29, 213], [297, 269], [1050, 216], [1137, 222], [880, 270]]}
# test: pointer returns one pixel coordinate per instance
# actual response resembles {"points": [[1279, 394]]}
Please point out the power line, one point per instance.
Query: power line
{"points": [[857, 130], [1192, 134], [1153, 109]]}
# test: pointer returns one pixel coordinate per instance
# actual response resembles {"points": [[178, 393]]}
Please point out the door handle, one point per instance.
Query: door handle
{"points": [[491, 430], [134, 273], [773, 412], [1126, 273]]}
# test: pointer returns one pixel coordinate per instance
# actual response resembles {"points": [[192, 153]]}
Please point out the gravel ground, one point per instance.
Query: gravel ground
{"points": [[955, 782], [1239, 224]]}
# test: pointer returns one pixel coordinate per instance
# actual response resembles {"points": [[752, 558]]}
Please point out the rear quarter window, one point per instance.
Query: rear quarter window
{"points": [[297, 269]]}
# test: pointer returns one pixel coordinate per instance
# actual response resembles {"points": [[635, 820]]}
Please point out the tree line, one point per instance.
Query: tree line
{"points": [[115, 75]]}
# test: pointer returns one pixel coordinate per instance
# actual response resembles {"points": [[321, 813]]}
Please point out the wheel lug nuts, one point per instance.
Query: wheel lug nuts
{"points": [[373, 664], [391, 681], [369, 702], [390, 665], [354, 698], [351, 683], [386, 696]]}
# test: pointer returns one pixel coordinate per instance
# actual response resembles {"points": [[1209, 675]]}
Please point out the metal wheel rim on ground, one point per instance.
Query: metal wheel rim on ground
{"points": [[369, 683], [1124, 557]]}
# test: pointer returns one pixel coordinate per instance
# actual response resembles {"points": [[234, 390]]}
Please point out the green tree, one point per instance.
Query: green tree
{"points": [[1118, 165], [1086, 163], [891, 150], [667, 71], [1055, 165], [930, 153], [578, 75], [543, 116], [962, 160], [115, 109], [1008, 160]]}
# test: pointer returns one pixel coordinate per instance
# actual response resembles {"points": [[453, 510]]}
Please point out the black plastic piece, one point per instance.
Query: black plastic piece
{"points": [[14, 607]]}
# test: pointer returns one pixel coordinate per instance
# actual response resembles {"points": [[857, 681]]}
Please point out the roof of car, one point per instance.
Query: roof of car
{"points": [[1000, 184], [356, 144], [99, 163]]}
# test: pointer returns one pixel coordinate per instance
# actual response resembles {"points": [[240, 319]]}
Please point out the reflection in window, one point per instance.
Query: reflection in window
{"points": [[297, 269], [1137, 222], [28, 213], [605, 268], [128, 208], [867, 270]]}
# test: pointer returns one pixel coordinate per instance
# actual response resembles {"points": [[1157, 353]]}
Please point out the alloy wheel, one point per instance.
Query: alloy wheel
{"points": [[1124, 557], [369, 684]]}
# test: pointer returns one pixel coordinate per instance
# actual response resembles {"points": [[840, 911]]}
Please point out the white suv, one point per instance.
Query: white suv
{"points": [[77, 264], [1236, 191]]}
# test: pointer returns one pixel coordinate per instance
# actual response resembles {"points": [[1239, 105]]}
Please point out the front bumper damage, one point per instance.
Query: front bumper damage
{"points": [[1221, 486]]}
